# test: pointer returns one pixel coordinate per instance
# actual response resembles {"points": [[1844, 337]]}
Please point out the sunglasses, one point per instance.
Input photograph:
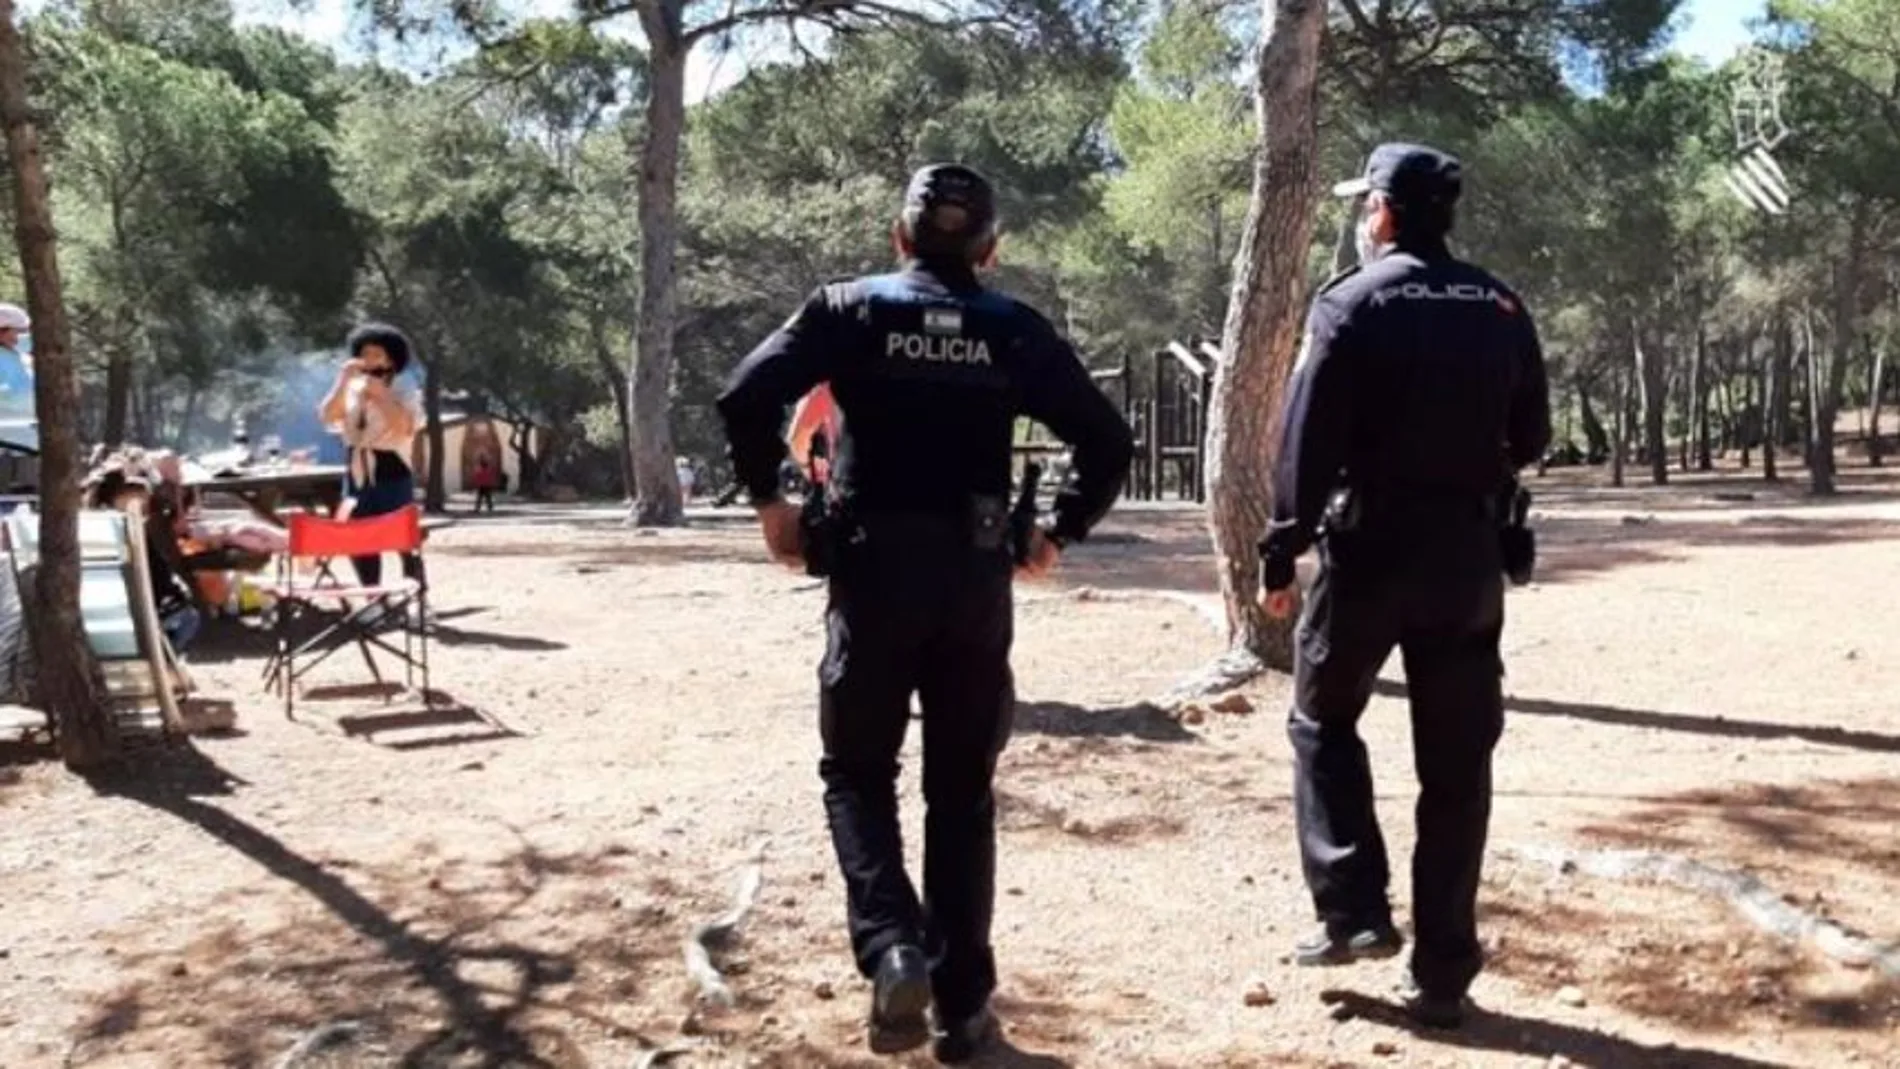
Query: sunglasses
{"points": [[380, 372]]}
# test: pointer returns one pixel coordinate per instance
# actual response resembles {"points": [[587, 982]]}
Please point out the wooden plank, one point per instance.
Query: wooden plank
{"points": [[152, 639]]}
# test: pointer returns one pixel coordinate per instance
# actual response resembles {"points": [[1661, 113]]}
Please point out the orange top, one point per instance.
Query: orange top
{"points": [[815, 412]]}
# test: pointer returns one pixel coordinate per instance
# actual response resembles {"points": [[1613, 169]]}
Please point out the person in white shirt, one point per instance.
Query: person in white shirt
{"points": [[16, 367], [377, 418]]}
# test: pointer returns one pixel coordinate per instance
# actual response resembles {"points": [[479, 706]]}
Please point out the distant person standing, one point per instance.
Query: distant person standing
{"points": [[485, 479], [16, 367], [377, 418]]}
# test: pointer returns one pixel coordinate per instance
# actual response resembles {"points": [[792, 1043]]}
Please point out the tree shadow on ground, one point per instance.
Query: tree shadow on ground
{"points": [[1832, 847], [1672, 955], [441, 982], [1693, 723], [683, 548], [1164, 551], [1143, 721], [1504, 1033], [1849, 821], [1574, 547], [1017, 811], [1728, 488]]}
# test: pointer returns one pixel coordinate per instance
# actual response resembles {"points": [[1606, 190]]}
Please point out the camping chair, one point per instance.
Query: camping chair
{"points": [[325, 540]]}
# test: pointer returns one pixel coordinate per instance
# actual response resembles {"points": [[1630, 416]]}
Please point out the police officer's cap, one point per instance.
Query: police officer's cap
{"points": [[951, 201], [1408, 174]]}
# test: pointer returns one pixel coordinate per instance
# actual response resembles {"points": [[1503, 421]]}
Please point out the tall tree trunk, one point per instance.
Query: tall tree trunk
{"points": [[616, 377], [1597, 440], [118, 394], [1877, 357], [435, 496], [67, 678], [1619, 444], [1705, 459], [1820, 426], [656, 478], [1653, 385], [1774, 388], [1264, 311], [1825, 390], [193, 397]]}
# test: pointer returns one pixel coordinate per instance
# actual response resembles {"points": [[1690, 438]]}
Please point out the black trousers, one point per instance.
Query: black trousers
{"points": [[1445, 613], [914, 610]]}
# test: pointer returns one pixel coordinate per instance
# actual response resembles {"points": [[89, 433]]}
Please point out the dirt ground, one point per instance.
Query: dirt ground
{"points": [[506, 882]]}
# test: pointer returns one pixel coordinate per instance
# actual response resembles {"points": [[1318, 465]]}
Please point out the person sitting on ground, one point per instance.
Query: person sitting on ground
{"points": [[124, 483]]}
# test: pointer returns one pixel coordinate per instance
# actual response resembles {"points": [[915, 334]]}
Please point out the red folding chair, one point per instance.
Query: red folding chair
{"points": [[324, 540]]}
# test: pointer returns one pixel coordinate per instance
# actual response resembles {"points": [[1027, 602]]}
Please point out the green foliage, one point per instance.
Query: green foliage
{"points": [[231, 195]]}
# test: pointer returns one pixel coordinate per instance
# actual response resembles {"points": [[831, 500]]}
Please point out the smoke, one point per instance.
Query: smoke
{"points": [[287, 404]]}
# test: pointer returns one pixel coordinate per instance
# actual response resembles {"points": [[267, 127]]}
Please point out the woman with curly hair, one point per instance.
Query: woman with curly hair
{"points": [[377, 418]]}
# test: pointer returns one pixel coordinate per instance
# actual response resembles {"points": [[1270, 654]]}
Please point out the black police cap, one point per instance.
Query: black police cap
{"points": [[949, 199], [1408, 174]]}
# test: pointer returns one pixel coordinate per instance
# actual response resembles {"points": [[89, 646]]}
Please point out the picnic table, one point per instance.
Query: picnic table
{"points": [[315, 488]]}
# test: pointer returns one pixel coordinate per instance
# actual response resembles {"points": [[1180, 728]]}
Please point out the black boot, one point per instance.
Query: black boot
{"points": [[964, 1038], [1431, 1009], [900, 995], [1345, 944]]}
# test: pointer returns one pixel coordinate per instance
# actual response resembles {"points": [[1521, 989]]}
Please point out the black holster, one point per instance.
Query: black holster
{"points": [[1022, 517], [818, 533], [1517, 543]]}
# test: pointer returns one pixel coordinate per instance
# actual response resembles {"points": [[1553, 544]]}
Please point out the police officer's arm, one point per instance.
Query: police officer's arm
{"points": [[1527, 434], [784, 367], [1314, 431], [1059, 394]]}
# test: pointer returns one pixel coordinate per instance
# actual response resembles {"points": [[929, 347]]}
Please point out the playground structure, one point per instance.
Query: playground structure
{"points": [[1165, 399]]}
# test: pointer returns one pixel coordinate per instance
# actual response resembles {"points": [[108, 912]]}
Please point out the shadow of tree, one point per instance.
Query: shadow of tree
{"points": [[1695, 723], [1142, 721], [441, 982], [1574, 547], [1504, 1033], [1671, 955], [1020, 812]]}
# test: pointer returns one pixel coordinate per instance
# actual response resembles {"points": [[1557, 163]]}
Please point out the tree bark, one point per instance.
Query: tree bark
{"points": [[1264, 312], [1825, 392], [1619, 446], [435, 496], [1879, 361], [1773, 386], [1596, 440], [1705, 458], [656, 479], [1653, 385], [68, 680], [616, 377]]}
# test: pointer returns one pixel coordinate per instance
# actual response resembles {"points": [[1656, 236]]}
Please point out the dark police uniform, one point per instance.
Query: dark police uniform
{"points": [[1420, 389], [929, 371]]}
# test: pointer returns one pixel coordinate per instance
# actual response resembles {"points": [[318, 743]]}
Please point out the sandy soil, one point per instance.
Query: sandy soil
{"points": [[506, 883]]}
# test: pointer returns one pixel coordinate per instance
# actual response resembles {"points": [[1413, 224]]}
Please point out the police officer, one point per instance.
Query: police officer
{"points": [[1419, 392], [929, 371]]}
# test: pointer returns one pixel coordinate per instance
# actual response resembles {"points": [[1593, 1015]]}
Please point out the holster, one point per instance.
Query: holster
{"points": [[1022, 517], [818, 533], [1517, 543]]}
